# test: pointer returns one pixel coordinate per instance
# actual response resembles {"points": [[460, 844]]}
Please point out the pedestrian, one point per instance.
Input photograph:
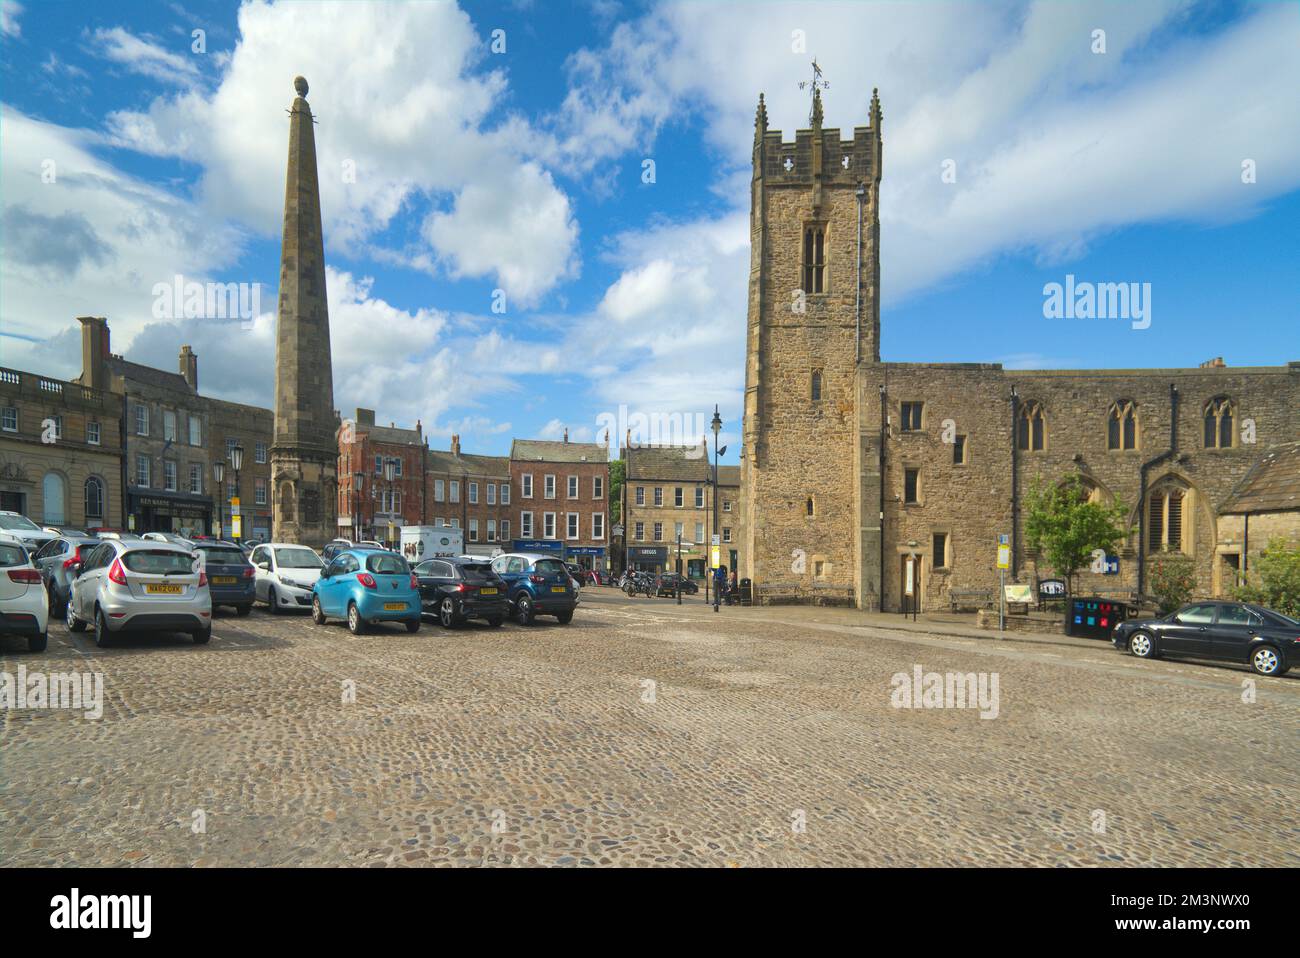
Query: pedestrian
{"points": [[731, 589], [719, 583]]}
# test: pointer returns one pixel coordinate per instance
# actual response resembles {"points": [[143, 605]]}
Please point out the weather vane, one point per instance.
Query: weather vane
{"points": [[815, 84]]}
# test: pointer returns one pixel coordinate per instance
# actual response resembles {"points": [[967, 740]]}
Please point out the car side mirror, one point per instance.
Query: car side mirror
{"points": [[76, 569], [264, 566]]}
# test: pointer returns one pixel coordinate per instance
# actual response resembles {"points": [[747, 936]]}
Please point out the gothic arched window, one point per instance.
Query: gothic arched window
{"points": [[1219, 417], [1121, 425], [1166, 508], [1031, 428], [814, 258]]}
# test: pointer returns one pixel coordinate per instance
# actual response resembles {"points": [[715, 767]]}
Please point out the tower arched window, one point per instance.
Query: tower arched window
{"points": [[1122, 425], [1219, 418], [1031, 428], [94, 501], [816, 388], [814, 258]]}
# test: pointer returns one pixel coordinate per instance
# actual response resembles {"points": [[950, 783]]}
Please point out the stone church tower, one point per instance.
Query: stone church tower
{"points": [[811, 470], [304, 453]]}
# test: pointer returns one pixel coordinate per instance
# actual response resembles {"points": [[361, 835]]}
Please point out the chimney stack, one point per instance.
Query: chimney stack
{"points": [[94, 351], [566, 433], [189, 364], [455, 445]]}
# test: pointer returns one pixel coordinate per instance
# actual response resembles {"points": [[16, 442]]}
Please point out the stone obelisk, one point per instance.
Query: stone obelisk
{"points": [[304, 454]]}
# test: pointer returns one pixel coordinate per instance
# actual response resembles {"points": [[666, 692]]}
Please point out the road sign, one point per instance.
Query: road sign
{"points": [[717, 539], [909, 580], [236, 526], [1004, 557]]}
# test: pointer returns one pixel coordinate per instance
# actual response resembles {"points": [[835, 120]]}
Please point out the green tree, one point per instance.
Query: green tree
{"points": [[617, 474], [1274, 579], [1065, 528], [1171, 579]]}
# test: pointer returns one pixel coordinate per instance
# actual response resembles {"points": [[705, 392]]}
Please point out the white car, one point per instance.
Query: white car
{"points": [[17, 526], [24, 604], [284, 575]]}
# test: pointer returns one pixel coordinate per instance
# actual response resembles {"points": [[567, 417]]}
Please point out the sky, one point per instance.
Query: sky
{"points": [[499, 262]]}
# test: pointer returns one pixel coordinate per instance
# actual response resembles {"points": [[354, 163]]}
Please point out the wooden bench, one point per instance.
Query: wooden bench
{"points": [[775, 593], [779, 593], [975, 599]]}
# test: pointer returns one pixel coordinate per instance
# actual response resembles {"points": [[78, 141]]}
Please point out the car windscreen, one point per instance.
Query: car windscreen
{"points": [[18, 522], [158, 562], [476, 570], [550, 567], [297, 559], [224, 556], [11, 554], [385, 563]]}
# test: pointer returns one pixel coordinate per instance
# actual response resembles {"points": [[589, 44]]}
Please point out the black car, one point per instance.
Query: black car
{"points": [[455, 589], [230, 575], [1268, 641], [668, 582]]}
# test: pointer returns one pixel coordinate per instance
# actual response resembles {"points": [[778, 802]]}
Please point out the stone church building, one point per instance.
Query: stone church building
{"points": [[853, 465]]}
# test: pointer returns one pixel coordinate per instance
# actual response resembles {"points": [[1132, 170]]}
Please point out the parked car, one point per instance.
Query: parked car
{"points": [[24, 530], [169, 537], [1268, 641], [24, 606], [366, 586], [54, 561], [667, 584], [538, 585], [284, 575], [134, 584], [231, 578], [456, 589], [335, 546]]}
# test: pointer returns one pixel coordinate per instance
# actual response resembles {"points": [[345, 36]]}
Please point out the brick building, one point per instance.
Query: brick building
{"points": [[561, 495], [60, 451], [370, 506], [855, 466], [473, 493]]}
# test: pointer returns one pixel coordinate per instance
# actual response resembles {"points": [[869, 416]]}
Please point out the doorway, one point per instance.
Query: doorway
{"points": [[910, 580]]}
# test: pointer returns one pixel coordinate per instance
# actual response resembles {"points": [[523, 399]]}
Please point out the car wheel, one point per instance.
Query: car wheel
{"points": [[1266, 661], [524, 610], [495, 621], [243, 609], [565, 617], [101, 629], [317, 615], [37, 643], [202, 636], [447, 613], [355, 625], [55, 606], [272, 602], [74, 624], [412, 625], [1142, 645]]}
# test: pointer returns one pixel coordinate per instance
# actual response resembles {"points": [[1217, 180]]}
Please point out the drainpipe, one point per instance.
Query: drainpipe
{"points": [[857, 302], [1015, 483], [881, 584], [1245, 552], [1142, 485]]}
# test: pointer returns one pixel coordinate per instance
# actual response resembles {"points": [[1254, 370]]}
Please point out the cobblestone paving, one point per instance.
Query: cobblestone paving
{"points": [[549, 745]]}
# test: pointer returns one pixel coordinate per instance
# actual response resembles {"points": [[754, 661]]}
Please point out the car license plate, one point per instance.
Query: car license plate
{"points": [[488, 591], [163, 589], [558, 588], [223, 580], [394, 606]]}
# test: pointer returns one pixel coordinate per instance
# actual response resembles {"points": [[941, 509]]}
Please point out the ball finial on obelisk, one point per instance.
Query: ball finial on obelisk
{"points": [[300, 85]]}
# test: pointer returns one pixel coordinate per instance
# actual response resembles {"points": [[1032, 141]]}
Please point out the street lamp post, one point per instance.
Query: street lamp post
{"points": [[219, 477], [236, 463], [390, 472], [358, 479], [716, 425]]}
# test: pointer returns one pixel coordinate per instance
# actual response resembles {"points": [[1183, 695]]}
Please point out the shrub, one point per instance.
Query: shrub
{"points": [[1172, 579], [1274, 579]]}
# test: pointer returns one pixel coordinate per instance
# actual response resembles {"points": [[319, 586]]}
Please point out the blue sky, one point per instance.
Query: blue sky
{"points": [[522, 171]]}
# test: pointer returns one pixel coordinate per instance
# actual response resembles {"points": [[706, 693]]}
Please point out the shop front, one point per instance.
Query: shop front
{"points": [[181, 513], [647, 558], [538, 545], [588, 557]]}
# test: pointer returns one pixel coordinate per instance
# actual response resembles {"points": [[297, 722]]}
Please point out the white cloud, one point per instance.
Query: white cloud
{"points": [[10, 10], [414, 122], [143, 56]]}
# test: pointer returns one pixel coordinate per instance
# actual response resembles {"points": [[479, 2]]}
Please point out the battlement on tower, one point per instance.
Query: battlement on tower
{"points": [[850, 161]]}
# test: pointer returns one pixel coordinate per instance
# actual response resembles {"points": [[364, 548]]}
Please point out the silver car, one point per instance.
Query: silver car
{"points": [[135, 584], [285, 574]]}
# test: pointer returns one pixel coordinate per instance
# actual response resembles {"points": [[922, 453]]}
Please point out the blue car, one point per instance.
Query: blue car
{"points": [[230, 574], [366, 586], [537, 585]]}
